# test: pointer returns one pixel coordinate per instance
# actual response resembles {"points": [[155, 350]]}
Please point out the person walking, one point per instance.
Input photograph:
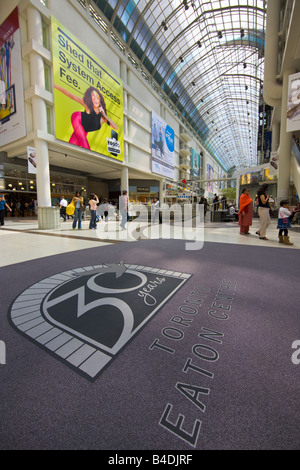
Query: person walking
{"points": [[3, 204], [93, 202], [123, 206], [63, 206], [224, 202], [78, 203], [105, 209], [156, 214], [203, 201], [216, 202], [245, 212], [263, 211], [284, 222]]}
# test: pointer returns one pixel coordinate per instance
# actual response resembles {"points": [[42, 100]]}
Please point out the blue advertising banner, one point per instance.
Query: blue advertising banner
{"points": [[163, 144], [268, 143]]}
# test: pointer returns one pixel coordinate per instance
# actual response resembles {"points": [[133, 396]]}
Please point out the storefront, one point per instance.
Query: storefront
{"points": [[19, 187], [143, 192], [177, 194]]}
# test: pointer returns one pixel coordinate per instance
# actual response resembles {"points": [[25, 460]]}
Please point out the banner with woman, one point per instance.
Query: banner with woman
{"points": [[88, 97]]}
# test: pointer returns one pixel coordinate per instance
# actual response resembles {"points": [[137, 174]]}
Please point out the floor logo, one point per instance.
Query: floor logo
{"points": [[86, 316]]}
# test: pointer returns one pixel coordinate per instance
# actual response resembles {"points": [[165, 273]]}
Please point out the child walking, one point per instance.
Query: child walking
{"points": [[284, 222]]}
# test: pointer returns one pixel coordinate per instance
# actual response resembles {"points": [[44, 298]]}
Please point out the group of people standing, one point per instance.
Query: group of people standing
{"points": [[19, 208], [78, 203], [219, 203], [3, 206], [263, 201]]}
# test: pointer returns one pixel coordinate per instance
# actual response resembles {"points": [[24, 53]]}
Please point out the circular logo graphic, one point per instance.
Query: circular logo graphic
{"points": [[85, 316], [170, 138]]}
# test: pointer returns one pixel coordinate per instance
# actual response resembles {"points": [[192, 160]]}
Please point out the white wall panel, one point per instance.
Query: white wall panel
{"points": [[139, 158]]}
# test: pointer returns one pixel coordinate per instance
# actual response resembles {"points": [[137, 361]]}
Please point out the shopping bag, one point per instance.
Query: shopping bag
{"points": [[70, 209]]}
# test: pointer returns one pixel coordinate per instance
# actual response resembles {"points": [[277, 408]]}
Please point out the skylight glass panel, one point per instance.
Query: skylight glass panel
{"points": [[210, 54]]}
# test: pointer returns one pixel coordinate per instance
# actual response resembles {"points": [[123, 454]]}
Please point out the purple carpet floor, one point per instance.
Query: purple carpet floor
{"points": [[148, 346]]}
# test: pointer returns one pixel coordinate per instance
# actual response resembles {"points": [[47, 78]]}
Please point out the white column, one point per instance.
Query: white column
{"points": [[285, 145], [124, 179], [275, 136], [204, 172], [161, 191], [42, 173], [123, 69], [47, 217], [272, 90]]}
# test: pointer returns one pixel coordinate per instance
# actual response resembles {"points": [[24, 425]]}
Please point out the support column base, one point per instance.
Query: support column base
{"points": [[48, 218], [282, 194]]}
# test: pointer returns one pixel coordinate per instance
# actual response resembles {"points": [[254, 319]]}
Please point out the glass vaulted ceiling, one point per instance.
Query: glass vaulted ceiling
{"points": [[208, 57]]}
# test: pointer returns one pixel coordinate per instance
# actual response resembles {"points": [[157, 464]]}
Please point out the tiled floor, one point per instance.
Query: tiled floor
{"points": [[21, 240]]}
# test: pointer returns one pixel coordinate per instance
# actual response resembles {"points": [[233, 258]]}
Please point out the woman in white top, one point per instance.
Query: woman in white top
{"points": [[93, 208]]}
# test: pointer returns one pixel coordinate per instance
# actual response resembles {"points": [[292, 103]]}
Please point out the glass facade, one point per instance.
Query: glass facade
{"points": [[208, 58]]}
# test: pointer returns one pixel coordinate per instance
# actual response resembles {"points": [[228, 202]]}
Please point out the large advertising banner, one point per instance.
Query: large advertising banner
{"points": [[88, 97], [293, 105], [163, 144], [210, 176], [268, 144], [195, 163], [12, 115]]}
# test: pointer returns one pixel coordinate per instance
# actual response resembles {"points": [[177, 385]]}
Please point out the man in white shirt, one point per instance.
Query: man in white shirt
{"points": [[156, 211], [63, 205]]}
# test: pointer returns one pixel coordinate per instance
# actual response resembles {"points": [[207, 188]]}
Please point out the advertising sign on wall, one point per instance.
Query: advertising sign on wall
{"points": [[293, 105], [88, 97], [12, 116], [210, 175], [274, 163], [31, 160], [268, 144], [195, 163], [163, 144]]}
